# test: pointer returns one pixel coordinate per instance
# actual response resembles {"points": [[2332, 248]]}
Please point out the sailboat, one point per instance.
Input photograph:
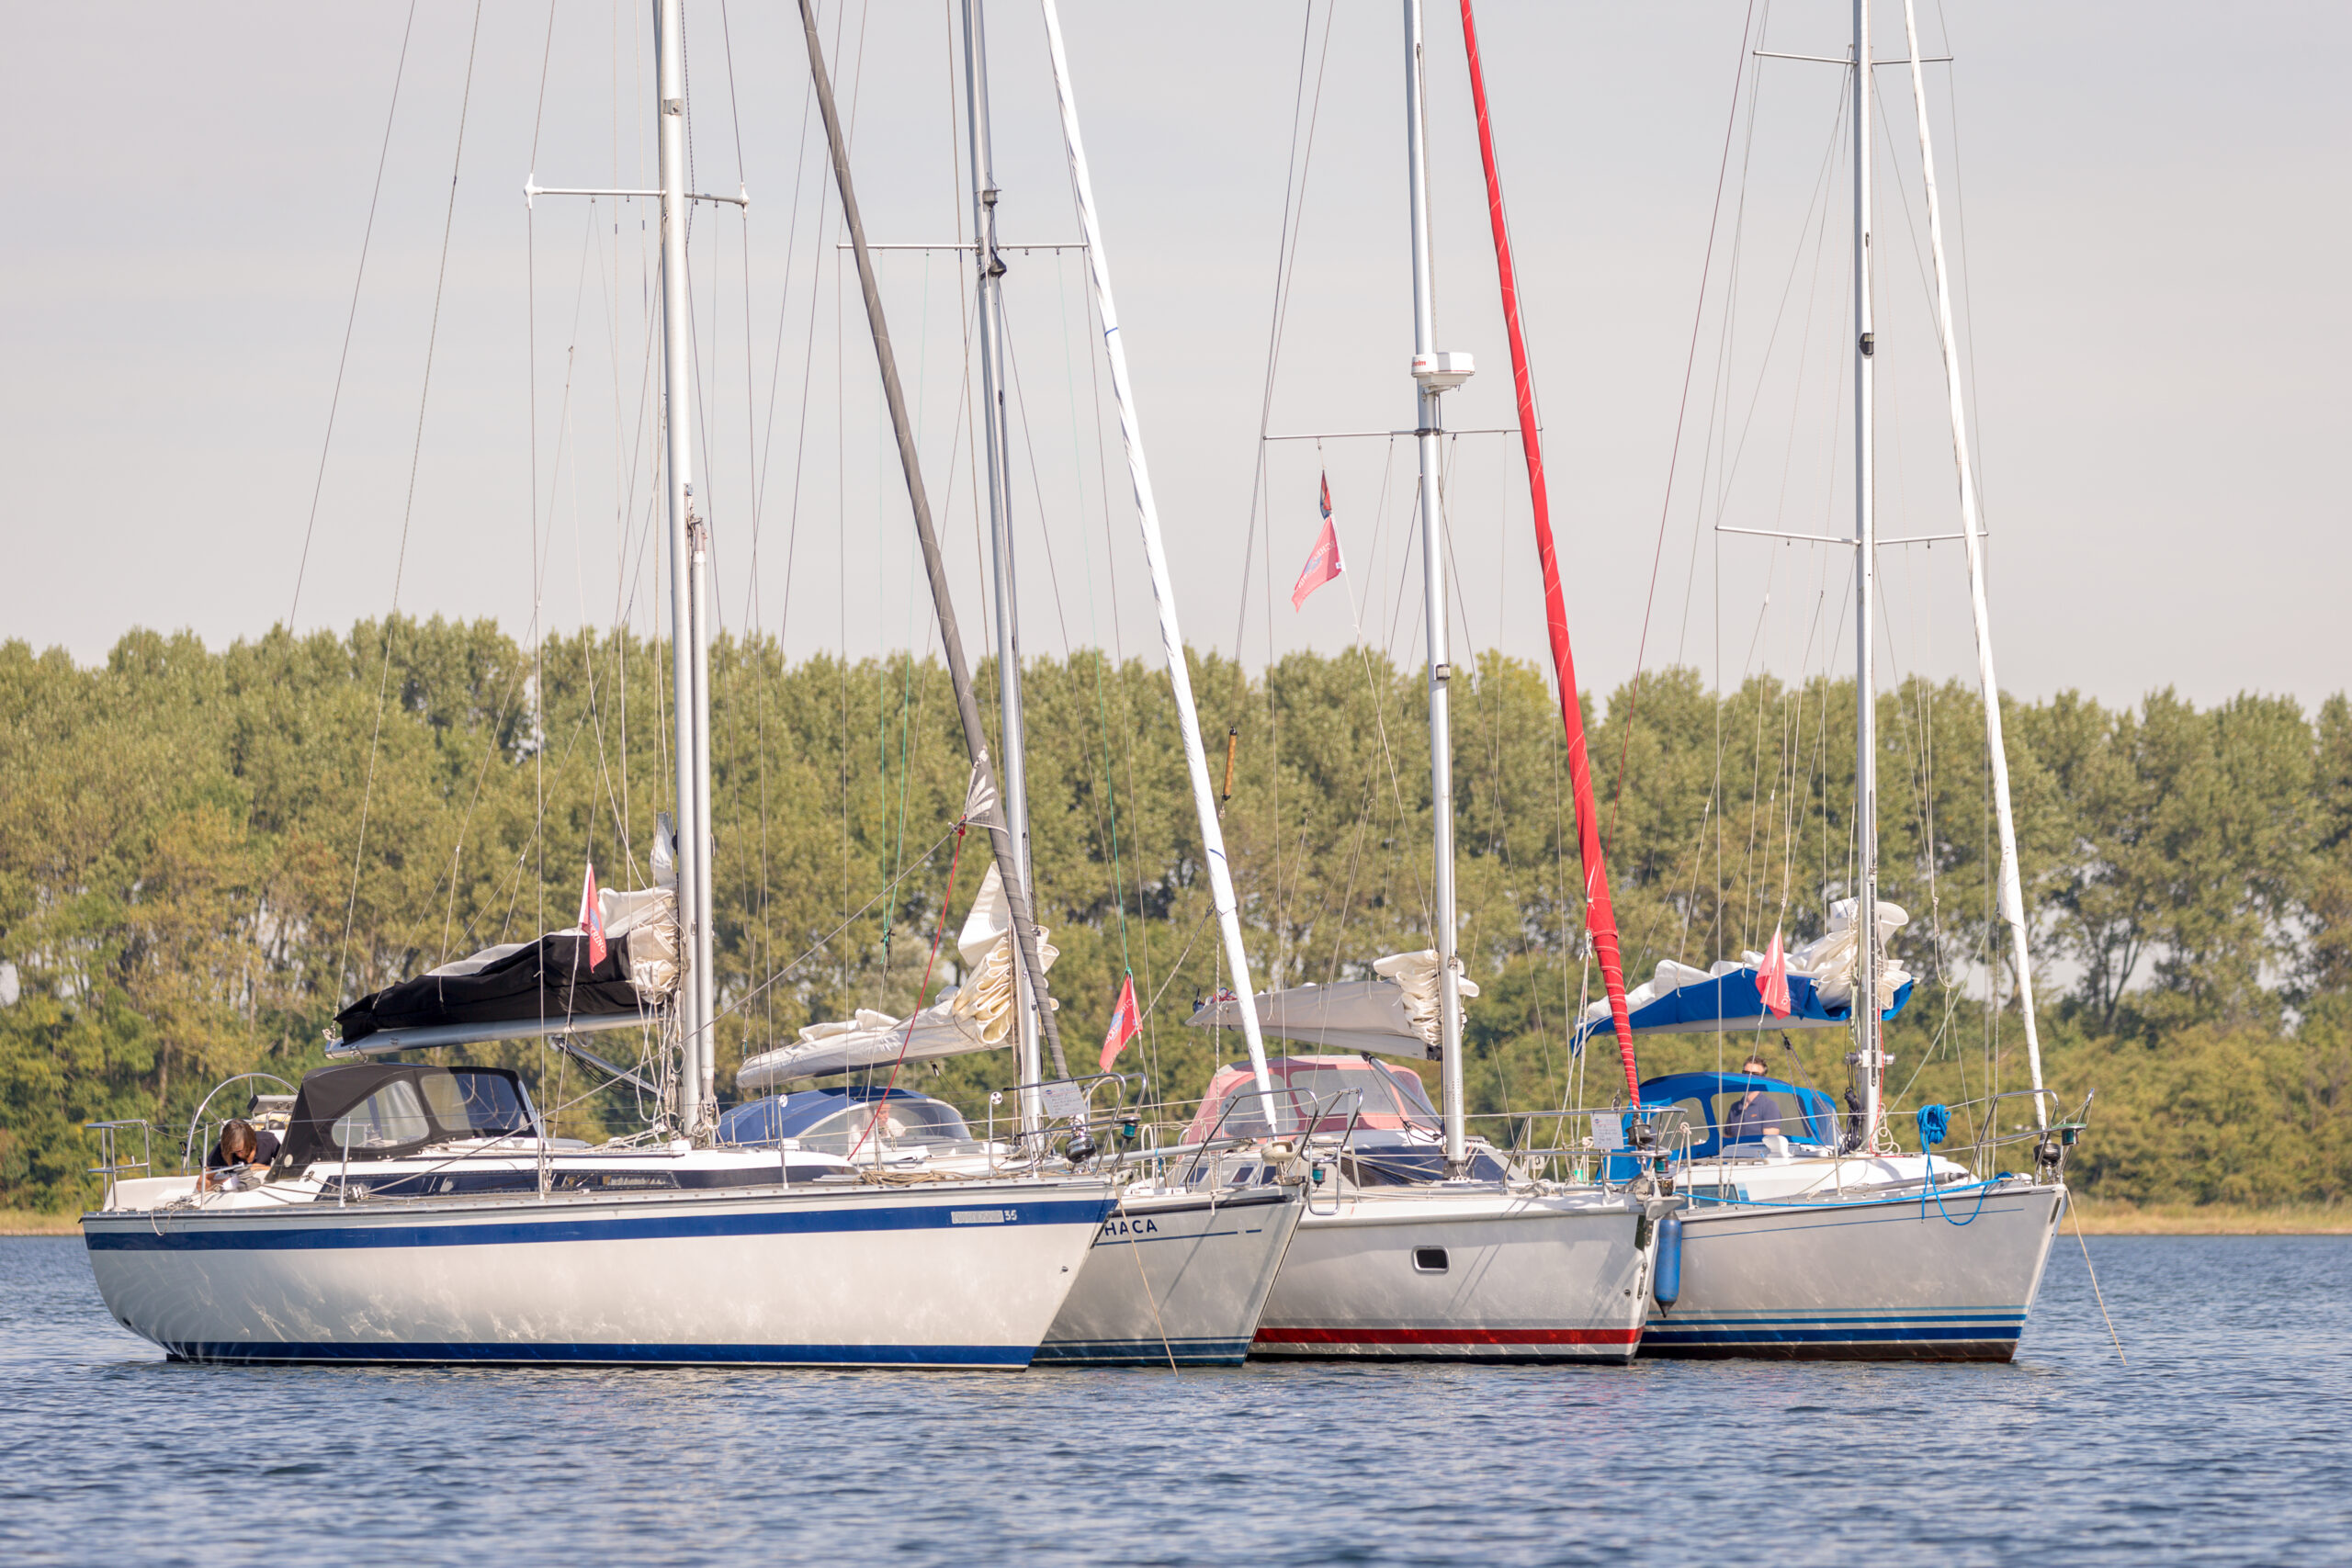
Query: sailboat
{"points": [[1178, 1273], [1422, 1241], [422, 1212], [1806, 1235]]}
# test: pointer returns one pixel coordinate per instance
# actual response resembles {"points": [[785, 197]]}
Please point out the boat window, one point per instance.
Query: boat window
{"points": [[1774, 1111], [392, 1116], [901, 1122], [478, 1105], [1390, 1102], [754, 1124], [1695, 1110]]}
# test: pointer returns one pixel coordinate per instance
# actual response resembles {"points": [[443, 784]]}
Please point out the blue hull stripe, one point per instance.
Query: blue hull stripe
{"points": [[288, 1231], [633, 1355], [1833, 1319], [1841, 1335]]}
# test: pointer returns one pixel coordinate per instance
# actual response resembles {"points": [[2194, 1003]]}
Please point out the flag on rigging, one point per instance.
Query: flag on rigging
{"points": [[591, 918], [1772, 978], [1124, 1024], [1323, 562]]}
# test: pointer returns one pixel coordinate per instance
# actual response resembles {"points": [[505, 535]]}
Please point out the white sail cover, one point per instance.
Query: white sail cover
{"points": [[1396, 1015], [976, 1016]]}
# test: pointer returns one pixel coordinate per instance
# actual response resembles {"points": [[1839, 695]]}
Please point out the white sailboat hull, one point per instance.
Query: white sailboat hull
{"points": [[1524, 1276], [972, 1276], [1175, 1278], [1860, 1279]]}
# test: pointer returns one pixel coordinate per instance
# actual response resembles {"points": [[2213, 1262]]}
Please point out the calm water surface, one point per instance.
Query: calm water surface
{"points": [[2225, 1439]]}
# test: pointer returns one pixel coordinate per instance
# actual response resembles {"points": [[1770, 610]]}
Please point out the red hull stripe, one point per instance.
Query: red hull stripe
{"points": [[1448, 1335]]}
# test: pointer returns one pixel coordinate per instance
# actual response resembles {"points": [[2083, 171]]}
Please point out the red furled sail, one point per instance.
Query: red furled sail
{"points": [[1600, 919]]}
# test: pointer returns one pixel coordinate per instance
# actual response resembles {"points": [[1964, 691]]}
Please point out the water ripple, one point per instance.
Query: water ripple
{"points": [[2220, 1441]]}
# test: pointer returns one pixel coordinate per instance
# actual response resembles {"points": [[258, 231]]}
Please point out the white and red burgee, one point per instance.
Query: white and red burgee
{"points": [[1772, 978], [1124, 1024], [1323, 562], [591, 918]]}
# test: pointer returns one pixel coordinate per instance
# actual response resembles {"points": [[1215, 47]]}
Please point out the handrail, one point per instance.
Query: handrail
{"points": [[111, 1166], [188, 1149], [1081, 1141]]}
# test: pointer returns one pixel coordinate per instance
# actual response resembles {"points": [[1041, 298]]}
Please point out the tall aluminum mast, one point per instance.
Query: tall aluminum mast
{"points": [[689, 550], [1433, 374], [994, 437], [1869, 1028], [1163, 593], [1972, 531], [984, 799]]}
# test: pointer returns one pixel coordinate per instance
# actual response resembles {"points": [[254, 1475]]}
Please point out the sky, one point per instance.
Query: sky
{"points": [[2146, 224]]}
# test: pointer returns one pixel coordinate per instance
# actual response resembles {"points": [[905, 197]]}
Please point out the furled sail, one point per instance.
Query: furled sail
{"points": [[975, 1016], [547, 984], [1396, 1015], [1728, 997]]}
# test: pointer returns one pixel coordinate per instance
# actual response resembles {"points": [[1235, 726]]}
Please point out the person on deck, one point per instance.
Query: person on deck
{"points": [[240, 1148], [1755, 1114]]}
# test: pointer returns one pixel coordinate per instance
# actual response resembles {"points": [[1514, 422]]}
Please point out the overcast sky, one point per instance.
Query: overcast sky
{"points": [[2149, 218]]}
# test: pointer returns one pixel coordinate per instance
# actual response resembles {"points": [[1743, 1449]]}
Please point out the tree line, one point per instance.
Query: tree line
{"points": [[205, 853]]}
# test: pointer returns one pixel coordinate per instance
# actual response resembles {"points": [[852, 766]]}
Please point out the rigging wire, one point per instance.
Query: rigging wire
{"points": [[408, 509], [1690, 359], [350, 319], [1286, 262]]}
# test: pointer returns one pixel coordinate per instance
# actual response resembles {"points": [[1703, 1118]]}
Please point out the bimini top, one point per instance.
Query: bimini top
{"points": [[383, 1110], [1799, 1115]]}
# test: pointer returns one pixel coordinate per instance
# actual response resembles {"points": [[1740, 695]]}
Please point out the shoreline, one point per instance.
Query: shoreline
{"points": [[2095, 1217], [2098, 1218]]}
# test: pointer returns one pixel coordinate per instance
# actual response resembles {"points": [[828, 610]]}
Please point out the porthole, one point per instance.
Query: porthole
{"points": [[1428, 1260]]}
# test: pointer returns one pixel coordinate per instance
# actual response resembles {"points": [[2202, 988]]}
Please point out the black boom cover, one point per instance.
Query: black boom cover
{"points": [[550, 978]]}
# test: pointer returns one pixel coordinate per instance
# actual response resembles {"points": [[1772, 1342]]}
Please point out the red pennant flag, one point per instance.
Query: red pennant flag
{"points": [[1323, 560], [1124, 1024], [591, 918], [1772, 978]]}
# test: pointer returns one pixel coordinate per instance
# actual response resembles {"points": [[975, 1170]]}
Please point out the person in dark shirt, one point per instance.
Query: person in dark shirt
{"points": [[239, 1148], [1755, 1114]]}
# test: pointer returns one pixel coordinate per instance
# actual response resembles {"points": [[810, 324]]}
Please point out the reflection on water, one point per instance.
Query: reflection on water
{"points": [[2222, 1439]]}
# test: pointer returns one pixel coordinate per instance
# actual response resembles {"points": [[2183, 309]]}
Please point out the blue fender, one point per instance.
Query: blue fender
{"points": [[1666, 1278]]}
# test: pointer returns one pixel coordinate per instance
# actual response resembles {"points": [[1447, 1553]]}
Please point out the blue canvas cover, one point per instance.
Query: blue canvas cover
{"points": [[1729, 1003]]}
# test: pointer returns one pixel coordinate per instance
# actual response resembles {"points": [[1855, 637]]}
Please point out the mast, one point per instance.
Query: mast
{"points": [[1171, 635], [1600, 915], [2012, 893], [967, 709], [990, 307], [1869, 1028], [1433, 373], [689, 548]]}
